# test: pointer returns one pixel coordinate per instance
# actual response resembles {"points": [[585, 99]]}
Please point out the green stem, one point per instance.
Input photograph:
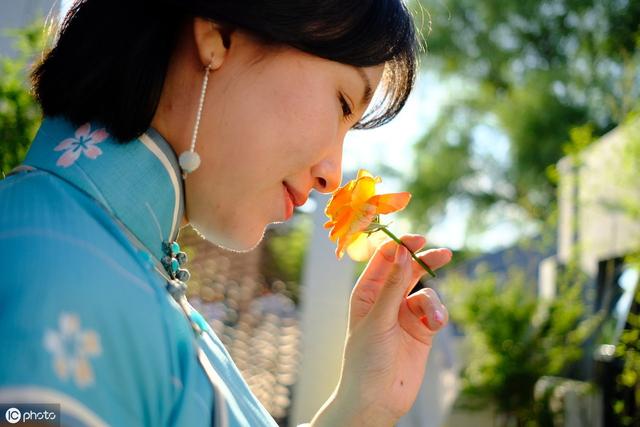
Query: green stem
{"points": [[400, 242]]}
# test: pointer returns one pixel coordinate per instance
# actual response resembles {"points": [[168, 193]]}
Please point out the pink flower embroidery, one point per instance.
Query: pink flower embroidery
{"points": [[84, 142]]}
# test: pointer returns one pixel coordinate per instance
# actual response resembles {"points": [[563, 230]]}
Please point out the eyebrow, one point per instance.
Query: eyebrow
{"points": [[366, 96]]}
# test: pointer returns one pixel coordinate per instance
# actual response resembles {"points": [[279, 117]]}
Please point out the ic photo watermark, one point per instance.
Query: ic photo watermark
{"points": [[30, 414]]}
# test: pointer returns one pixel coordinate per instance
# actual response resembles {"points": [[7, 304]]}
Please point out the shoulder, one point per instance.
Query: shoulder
{"points": [[69, 272], [68, 257], [56, 234], [82, 316]]}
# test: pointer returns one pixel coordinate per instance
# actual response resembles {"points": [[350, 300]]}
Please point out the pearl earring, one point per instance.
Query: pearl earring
{"points": [[190, 160]]}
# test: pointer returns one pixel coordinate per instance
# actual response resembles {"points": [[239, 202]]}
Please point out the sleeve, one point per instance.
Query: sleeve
{"points": [[77, 324]]}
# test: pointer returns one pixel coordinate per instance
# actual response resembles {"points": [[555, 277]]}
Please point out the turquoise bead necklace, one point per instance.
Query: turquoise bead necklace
{"points": [[173, 259]]}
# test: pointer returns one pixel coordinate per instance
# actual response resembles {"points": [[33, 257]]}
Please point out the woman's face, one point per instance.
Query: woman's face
{"points": [[274, 122]]}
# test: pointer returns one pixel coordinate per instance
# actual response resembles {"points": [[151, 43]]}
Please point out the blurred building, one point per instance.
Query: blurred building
{"points": [[597, 193], [599, 223], [599, 226]]}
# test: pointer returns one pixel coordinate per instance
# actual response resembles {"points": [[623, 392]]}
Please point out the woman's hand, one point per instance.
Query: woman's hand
{"points": [[388, 339]]}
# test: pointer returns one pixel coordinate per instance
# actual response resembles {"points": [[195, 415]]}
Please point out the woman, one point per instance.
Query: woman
{"points": [[217, 114]]}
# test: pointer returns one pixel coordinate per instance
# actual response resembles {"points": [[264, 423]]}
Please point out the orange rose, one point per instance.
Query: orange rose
{"points": [[354, 214], [355, 206]]}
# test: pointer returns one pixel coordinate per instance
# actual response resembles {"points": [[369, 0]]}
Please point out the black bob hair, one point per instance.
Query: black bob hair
{"points": [[111, 56]]}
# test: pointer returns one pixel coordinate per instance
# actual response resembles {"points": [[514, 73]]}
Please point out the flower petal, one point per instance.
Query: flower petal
{"points": [[61, 367], [342, 225], [392, 202], [92, 151], [83, 131], [66, 144], [83, 374], [69, 323], [68, 158], [360, 249], [91, 343], [341, 197], [363, 173], [98, 136], [363, 248], [364, 189], [345, 241], [362, 218], [52, 342]]}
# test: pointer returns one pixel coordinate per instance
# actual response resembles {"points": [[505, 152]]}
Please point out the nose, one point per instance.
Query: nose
{"points": [[327, 173]]}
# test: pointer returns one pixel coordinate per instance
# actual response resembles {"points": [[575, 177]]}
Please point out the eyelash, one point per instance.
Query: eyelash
{"points": [[346, 110]]}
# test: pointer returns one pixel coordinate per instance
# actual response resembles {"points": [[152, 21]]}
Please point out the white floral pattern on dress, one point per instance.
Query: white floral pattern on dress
{"points": [[84, 143], [71, 348]]}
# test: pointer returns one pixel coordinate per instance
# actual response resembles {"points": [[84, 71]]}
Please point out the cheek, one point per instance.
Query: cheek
{"points": [[253, 140], [307, 103], [281, 137], [302, 124], [258, 131], [285, 110]]}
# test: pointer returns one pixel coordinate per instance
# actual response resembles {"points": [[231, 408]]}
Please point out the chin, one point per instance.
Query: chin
{"points": [[235, 243]]}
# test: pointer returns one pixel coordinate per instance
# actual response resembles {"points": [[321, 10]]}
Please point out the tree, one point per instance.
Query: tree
{"points": [[514, 338], [19, 113], [530, 71]]}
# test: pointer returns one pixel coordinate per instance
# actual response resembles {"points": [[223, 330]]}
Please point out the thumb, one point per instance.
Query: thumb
{"points": [[393, 292]]}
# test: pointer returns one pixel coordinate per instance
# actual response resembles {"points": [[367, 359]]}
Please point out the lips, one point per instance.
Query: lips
{"points": [[297, 197], [288, 203]]}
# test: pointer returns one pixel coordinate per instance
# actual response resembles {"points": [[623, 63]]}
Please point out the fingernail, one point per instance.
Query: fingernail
{"points": [[401, 254], [396, 256], [438, 295], [439, 317]]}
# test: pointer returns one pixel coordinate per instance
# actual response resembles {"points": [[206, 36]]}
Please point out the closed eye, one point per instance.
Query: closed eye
{"points": [[347, 113]]}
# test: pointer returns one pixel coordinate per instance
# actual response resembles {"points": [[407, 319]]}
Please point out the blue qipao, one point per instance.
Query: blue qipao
{"points": [[90, 318]]}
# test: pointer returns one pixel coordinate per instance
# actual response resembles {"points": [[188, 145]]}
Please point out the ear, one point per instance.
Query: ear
{"points": [[210, 42]]}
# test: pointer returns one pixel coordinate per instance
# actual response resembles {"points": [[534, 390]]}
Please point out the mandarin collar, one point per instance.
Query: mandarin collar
{"points": [[138, 182]]}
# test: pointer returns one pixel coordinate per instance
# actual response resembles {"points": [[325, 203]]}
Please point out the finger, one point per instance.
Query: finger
{"points": [[434, 258], [381, 262], [426, 306], [415, 326], [367, 289], [393, 288]]}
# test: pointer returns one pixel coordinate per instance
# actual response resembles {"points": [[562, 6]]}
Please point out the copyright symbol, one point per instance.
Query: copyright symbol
{"points": [[12, 415]]}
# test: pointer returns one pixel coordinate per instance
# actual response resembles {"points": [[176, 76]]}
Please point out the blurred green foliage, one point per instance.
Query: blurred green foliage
{"points": [[286, 248], [513, 338], [19, 113], [629, 346], [528, 72], [629, 350]]}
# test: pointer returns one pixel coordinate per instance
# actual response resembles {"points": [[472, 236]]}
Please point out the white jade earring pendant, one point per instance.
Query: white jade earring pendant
{"points": [[190, 160]]}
